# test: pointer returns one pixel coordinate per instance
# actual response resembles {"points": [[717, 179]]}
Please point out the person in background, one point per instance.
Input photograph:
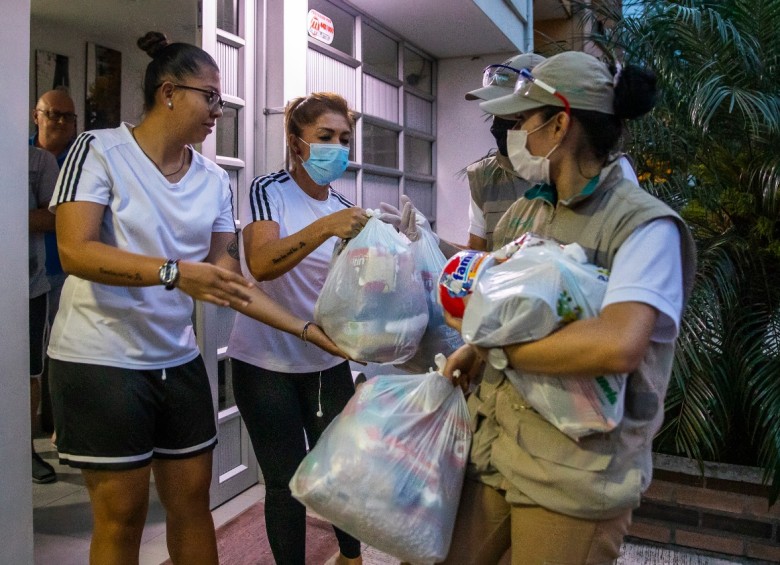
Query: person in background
{"points": [[43, 173], [529, 487], [493, 183], [145, 226], [288, 393], [55, 119]]}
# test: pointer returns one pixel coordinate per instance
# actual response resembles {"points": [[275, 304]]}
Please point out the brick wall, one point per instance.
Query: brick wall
{"points": [[725, 510]]}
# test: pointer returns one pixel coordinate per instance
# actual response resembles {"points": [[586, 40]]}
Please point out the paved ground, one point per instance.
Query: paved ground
{"points": [[633, 554]]}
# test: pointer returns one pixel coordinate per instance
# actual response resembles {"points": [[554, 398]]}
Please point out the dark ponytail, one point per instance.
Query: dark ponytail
{"points": [[170, 61], [635, 92]]}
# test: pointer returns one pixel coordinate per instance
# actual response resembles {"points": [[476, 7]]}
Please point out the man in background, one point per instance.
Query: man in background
{"points": [[55, 119], [42, 176]]}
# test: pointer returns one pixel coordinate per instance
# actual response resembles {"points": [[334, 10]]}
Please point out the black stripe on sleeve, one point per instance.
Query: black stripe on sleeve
{"points": [[73, 166], [341, 198], [258, 198]]}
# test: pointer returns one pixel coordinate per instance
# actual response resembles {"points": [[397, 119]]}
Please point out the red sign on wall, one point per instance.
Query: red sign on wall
{"points": [[320, 27]]}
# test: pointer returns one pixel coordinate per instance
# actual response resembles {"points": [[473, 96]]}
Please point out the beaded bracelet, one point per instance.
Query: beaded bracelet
{"points": [[304, 330]]}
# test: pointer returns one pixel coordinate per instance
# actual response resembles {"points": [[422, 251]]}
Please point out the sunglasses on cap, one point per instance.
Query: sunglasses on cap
{"points": [[527, 81], [500, 75]]}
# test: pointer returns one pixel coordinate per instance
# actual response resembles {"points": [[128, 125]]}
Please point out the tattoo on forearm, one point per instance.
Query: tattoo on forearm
{"points": [[232, 248], [126, 276], [292, 250]]}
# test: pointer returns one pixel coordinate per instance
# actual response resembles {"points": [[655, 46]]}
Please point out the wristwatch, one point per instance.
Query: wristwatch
{"points": [[497, 358], [169, 274]]}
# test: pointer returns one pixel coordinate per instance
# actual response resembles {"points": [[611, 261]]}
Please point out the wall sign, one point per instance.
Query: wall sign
{"points": [[320, 27]]}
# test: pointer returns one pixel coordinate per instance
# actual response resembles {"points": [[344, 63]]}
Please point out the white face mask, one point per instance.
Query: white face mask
{"points": [[535, 169]]}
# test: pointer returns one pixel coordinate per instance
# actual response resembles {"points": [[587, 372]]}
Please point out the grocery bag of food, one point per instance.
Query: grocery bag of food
{"points": [[438, 336], [389, 469], [523, 292], [373, 303], [535, 289]]}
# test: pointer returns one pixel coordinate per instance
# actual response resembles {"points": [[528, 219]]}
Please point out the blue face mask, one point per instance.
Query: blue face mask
{"points": [[326, 162]]}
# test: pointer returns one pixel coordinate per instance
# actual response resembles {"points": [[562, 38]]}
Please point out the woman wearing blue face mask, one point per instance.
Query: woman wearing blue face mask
{"points": [[288, 391]]}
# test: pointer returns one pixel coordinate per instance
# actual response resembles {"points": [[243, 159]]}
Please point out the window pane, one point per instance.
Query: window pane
{"points": [[225, 385], [421, 194], [227, 133], [227, 16], [418, 113], [378, 189], [380, 99], [343, 25], [380, 53], [417, 155], [417, 71], [346, 185], [380, 146]]}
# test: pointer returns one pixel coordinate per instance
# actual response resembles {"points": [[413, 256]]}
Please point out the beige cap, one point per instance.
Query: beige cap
{"points": [[586, 82], [521, 61]]}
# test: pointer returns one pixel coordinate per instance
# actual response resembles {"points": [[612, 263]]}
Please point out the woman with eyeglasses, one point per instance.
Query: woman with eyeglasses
{"points": [[287, 392], [532, 488], [145, 226]]}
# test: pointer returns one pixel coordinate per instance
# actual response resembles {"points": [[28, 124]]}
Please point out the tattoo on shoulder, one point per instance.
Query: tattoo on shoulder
{"points": [[125, 276], [232, 248], [285, 255]]}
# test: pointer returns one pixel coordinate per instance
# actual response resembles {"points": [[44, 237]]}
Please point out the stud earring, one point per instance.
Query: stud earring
{"points": [[170, 103]]}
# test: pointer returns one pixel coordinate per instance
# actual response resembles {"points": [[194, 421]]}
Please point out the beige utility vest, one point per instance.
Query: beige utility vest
{"points": [[514, 448], [494, 188]]}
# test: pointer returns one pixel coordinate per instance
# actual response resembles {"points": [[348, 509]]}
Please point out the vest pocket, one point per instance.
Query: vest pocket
{"points": [[541, 440], [482, 411]]}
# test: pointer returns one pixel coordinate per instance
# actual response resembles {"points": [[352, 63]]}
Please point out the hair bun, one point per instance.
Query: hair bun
{"points": [[153, 42], [635, 92]]}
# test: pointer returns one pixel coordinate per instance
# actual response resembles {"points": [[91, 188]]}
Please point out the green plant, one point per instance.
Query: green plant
{"points": [[711, 149]]}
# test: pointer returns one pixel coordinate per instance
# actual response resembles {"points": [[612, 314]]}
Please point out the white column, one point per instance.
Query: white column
{"points": [[16, 484], [284, 76]]}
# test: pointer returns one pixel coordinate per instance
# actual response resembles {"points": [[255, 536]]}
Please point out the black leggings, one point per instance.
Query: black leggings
{"points": [[277, 409]]}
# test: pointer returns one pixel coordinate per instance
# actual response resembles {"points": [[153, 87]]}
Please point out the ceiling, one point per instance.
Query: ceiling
{"points": [[443, 28], [451, 28]]}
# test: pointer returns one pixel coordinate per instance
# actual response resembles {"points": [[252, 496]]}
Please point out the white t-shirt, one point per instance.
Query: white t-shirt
{"points": [[277, 198], [648, 269], [477, 217], [136, 327]]}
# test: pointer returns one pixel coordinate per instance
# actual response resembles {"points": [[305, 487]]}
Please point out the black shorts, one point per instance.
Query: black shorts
{"points": [[38, 322], [114, 418]]}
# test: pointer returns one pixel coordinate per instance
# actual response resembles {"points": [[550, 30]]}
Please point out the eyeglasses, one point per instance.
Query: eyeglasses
{"points": [[54, 116], [527, 81], [213, 99], [500, 75]]}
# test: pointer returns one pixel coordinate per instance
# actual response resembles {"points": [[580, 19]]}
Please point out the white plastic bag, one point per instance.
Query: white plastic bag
{"points": [[539, 287], [372, 304], [438, 336], [389, 469]]}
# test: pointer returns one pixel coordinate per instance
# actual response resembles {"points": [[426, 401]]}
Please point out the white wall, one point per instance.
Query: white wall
{"points": [[15, 485], [463, 137]]}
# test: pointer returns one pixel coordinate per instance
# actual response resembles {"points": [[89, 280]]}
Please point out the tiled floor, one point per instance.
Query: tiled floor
{"points": [[62, 525]]}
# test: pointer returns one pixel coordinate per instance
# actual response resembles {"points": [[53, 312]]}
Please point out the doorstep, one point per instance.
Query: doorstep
{"points": [[725, 509]]}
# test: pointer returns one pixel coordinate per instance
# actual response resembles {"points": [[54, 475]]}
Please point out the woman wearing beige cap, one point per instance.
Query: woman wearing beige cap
{"points": [[531, 487]]}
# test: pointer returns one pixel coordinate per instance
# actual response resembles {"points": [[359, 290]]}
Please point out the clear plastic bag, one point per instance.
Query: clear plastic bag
{"points": [[538, 287], [438, 336], [389, 469], [372, 304]]}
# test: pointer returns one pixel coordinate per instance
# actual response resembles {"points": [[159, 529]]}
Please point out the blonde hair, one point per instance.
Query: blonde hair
{"points": [[305, 110]]}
